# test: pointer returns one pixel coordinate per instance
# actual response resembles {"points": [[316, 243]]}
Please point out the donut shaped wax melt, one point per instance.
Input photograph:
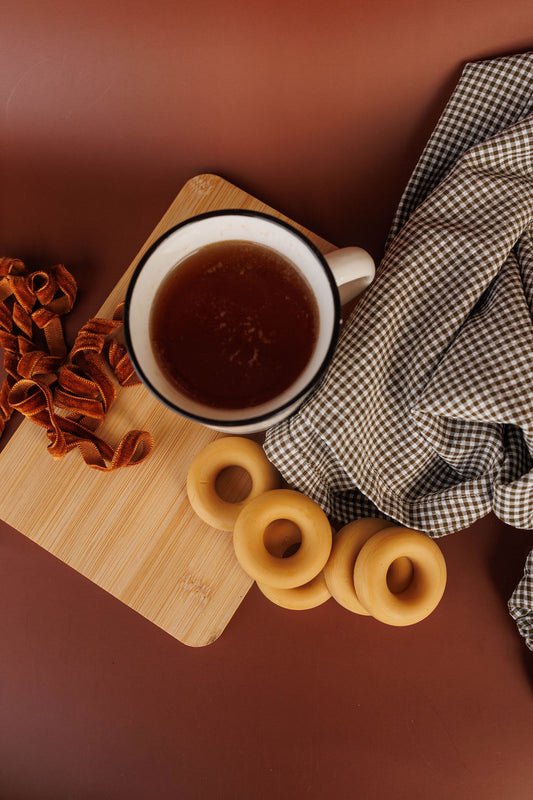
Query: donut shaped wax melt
{"points": [[250, 538], [338, 572], [228, 451], [372, 577], [301, 598]]}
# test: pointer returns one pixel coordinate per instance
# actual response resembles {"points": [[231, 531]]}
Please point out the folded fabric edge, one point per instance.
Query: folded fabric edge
{"points": [[288, 445], [520, 603], [441, 152], [523, 618]]}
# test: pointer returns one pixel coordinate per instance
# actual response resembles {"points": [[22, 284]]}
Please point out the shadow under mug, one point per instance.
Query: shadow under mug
{"points": [[335, 279]]}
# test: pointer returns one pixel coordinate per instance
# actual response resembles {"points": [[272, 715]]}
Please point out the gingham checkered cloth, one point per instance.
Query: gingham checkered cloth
{"points": [[426, 414]]}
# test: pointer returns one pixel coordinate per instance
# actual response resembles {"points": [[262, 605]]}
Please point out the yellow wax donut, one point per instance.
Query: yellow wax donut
{"points": [[228, 451], [427, 584], [292, 570], [338, 572], [310, 595]]}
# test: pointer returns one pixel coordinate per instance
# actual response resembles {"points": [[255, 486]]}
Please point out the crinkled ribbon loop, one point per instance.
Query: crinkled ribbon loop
{"points": [[70, 395]]}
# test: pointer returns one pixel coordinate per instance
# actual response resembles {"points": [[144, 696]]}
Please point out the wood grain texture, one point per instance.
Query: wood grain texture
{"points": [[132, 531]]}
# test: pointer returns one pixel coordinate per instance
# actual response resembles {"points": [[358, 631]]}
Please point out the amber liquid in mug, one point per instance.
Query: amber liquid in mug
{"points": [[234, 325]]}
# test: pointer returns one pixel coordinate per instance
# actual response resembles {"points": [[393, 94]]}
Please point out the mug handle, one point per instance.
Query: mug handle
{"points": [[353, 269]]}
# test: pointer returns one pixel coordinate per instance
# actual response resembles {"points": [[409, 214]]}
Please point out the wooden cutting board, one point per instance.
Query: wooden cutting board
{"points": [[132, 531]]}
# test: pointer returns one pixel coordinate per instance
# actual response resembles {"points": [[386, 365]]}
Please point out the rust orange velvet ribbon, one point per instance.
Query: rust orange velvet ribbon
{"points": [[67, 393]]}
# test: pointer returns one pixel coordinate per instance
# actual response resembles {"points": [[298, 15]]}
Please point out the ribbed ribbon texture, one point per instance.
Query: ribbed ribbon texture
{"points": [[66, 393]]}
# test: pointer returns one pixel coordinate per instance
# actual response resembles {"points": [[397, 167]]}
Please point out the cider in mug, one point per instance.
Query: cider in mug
{"points": [[234, 324], [232, 317]]}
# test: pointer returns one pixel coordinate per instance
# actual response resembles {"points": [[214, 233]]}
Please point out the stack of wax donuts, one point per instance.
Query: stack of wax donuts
{"points": [[284, 541]]}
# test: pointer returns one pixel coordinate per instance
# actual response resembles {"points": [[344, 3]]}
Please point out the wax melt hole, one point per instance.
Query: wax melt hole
{"points": [[233, 484], [282, 538], [400, 574]]}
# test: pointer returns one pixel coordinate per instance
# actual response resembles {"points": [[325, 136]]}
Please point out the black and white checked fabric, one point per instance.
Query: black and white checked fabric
{"points": [[426, 414]]}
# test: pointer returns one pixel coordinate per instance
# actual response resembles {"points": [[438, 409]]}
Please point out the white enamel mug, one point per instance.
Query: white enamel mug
{"points": [[334, 279]]}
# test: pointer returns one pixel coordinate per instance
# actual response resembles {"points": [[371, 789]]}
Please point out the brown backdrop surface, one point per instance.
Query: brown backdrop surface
{"points": [[320, 110]]}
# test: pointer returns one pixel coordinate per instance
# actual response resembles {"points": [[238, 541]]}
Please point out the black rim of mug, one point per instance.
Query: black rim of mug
{"points": [[298, 398]]}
